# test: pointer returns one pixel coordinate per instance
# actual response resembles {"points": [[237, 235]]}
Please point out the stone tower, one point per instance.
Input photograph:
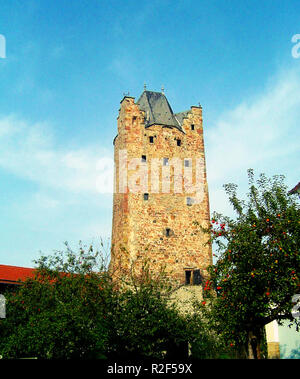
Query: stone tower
{"points": [[160, 193]]}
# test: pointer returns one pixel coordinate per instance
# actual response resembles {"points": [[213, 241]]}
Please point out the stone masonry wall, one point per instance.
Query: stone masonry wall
{"points": [[161, 227]]}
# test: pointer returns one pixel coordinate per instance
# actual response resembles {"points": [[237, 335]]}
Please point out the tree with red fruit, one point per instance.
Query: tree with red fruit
{"points": [[258, 266]]}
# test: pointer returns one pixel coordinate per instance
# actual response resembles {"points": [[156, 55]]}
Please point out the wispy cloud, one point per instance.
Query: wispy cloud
{"points": [[29, 151], [70, 201], [260, 133]]}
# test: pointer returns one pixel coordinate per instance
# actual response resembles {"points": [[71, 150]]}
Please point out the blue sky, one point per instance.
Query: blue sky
{"points": [[67, 66]]}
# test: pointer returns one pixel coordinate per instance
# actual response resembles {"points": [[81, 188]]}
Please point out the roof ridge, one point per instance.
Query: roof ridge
{"points": [[29, 268]]}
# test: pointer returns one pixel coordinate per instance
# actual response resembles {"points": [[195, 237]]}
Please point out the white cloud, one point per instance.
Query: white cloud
{"points": [[262, 133], [72, 196], [29, 152]]}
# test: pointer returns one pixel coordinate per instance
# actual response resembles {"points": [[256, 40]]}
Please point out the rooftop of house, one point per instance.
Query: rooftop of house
{"points": [[14, 274]]}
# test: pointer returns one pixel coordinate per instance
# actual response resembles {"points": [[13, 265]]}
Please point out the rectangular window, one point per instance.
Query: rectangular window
{"points": [[178, 142], [151, 140], [166, 162], [186, 163], [188, 275], [146, 196], [144, 158], [192, 127], [168, 231], [189, 201], [196, 277]]}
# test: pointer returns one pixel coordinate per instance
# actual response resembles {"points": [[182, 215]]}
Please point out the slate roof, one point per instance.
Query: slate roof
{"points": [[157, 110], [181, 115]]}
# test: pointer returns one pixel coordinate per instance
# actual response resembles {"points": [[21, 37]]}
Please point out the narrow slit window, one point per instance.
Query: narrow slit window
{"points": [[186, 163], [146, 196], [189, 201], [168, 232], [192, 127], [178, 142], [151, 139]]}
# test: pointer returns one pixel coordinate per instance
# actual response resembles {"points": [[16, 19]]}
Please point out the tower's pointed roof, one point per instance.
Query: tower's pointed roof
{"points": [[157, 109]]}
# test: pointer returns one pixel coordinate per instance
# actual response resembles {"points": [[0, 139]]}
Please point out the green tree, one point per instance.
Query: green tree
{"points": [[61, 312], [74, 309], [162, 329], [257, 271], [145, 322]]}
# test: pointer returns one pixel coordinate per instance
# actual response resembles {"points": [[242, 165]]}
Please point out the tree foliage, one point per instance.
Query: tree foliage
{"points": [[74, 309], [60, 313], [258, 266]]}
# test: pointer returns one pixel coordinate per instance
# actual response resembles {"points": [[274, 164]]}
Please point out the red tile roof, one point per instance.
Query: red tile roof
{"points": [[12, 274]]}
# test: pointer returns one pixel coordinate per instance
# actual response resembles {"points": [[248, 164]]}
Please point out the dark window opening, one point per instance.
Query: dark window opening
{"points": [[186, 163], [178, 142], [144, 158], [188, 275], [189, 201], [151, 140], [168, 232], [166, 162], [134, 118], [197, 279], [192, 127], [146, 196]]}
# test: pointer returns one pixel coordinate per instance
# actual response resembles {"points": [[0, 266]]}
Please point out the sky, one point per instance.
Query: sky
{"points": [[66, 65]]}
